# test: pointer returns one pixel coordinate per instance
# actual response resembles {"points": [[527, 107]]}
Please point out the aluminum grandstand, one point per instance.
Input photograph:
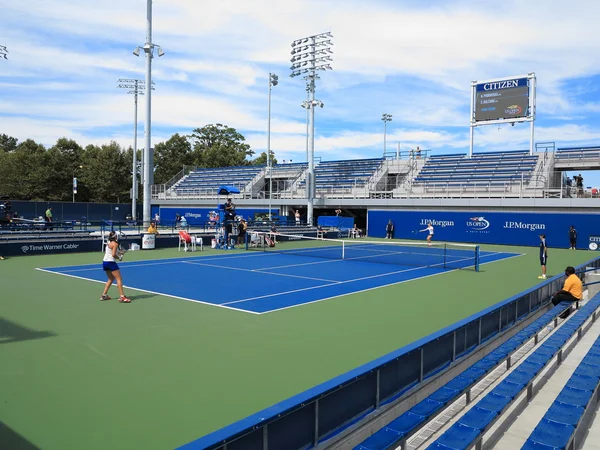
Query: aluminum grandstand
{"points": [[487, 174]]}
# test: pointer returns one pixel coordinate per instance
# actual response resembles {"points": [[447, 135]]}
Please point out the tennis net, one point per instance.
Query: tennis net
{"points": [[421, 254]]}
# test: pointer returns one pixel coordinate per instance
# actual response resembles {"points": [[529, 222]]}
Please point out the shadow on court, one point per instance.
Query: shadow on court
{"points": [[9, 439], [13, 332]]}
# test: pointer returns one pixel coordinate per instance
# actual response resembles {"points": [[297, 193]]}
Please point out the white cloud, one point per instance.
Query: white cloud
{"points": [[415, 62]]}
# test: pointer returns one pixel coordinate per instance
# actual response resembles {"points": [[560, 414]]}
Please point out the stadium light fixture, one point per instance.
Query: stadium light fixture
{"points": [[136, 87], [386, 118], [273, 81], [148, 48], [3, 52], [310, 55], [75, 181]]}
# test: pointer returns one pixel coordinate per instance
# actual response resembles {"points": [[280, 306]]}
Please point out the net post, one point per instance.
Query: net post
{"points": [[477, 258], [445, 254], [343, 250]]}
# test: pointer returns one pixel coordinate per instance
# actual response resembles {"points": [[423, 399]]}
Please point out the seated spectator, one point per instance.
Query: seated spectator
{"points": [[152, 228], [273, 233], [356, 232], [572, 290]]}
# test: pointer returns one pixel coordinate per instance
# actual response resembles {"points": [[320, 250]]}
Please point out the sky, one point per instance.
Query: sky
{"points": [[412, 59]]}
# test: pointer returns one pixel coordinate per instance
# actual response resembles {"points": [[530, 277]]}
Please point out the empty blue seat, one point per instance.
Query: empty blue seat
{"points": [[530, 367], [519, 377], [485, 364], [494, 402], [592, 360], [564, 413], [382, 439], [444, 394], [552, 433], [426, 407], [541, 357], [478, 418], [459, 383], [587, 370], [458, 437], [573, 396], [406, 422], [583, 382], [508, 388], [532, 445]]}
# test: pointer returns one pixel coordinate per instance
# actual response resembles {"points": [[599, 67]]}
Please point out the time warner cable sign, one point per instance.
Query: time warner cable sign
{"points": [[504, 99]]}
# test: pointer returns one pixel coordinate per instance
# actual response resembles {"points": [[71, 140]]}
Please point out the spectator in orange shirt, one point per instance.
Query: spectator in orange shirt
{"points": [[572, 290]]}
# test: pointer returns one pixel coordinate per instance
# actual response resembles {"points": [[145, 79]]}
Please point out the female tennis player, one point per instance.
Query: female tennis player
{"points": [[109, 265], [430, 229]]}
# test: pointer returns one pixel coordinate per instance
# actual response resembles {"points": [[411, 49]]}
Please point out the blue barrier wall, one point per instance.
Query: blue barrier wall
{"points": [[336, 222], [511, 228], [74, 211], [317, 414]]}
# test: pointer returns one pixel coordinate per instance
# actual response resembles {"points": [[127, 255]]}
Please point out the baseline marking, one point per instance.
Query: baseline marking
{"points": [[151, 292]]}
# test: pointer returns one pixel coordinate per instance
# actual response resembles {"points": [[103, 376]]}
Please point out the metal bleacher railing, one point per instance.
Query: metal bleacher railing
{"points": [[335, 409]]}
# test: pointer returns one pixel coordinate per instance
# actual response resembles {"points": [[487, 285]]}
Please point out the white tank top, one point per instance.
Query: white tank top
{"points": [[108, 256]]}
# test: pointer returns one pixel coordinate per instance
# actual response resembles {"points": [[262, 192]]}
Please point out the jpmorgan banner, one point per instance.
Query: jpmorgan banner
{"points": [[510, 228]]}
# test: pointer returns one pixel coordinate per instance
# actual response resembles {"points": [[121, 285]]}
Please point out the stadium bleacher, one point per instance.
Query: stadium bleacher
{"points": [[208, 181], [399, 430], [490, 167], [577, 153], [470, 428], [346, 174]]}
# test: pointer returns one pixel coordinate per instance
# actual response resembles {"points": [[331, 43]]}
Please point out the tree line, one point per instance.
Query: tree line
{"points": [[30, 171]]}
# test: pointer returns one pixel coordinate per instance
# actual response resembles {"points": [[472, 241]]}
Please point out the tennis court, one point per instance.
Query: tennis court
{"points": [[160, 372], [293, 273]]}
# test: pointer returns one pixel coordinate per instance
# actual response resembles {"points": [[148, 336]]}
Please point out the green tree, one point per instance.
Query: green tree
{"points": [[262, 159], [106, 176], [28, 173], [170, 157], [8, 143], [219, 146]]}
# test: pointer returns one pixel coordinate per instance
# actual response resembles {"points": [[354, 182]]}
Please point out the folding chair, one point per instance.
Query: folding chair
{"points": [[187, 241]]}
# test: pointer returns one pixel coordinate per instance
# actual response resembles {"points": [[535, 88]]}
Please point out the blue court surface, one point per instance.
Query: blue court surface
{"points": [[260, 282]]}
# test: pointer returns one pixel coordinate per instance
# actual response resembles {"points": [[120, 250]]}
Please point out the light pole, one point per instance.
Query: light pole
{"points": [[386, 118], [149, 50], [3, 52], [309, 55], [75, 181], [136, 87], [273, 81]]}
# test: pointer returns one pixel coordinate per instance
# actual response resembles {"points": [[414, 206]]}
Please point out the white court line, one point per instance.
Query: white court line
{"points": [[386, 285], [123, 266], [346, 282], [163, 261], [260, 271], [151, 292], [326, 285]]}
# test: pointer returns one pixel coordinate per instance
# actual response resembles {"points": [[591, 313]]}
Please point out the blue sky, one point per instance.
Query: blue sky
{"points": [[414, 60]]}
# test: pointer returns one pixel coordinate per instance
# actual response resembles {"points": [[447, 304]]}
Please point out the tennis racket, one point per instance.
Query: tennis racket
{"points": [[124, 247]]}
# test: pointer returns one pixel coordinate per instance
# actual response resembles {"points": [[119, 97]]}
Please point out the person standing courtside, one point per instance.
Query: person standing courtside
{"points": [[389, 229], [572, 238], [543, 256]]}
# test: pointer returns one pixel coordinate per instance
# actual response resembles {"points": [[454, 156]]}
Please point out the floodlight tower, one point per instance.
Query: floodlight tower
{"points": [[386, 118], [273, 81], [309, 55], [3, 52], [148, 48], [136, 87]]}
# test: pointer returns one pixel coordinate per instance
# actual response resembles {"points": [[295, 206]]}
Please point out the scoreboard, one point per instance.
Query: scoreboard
{"points": [[503, 99]]}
